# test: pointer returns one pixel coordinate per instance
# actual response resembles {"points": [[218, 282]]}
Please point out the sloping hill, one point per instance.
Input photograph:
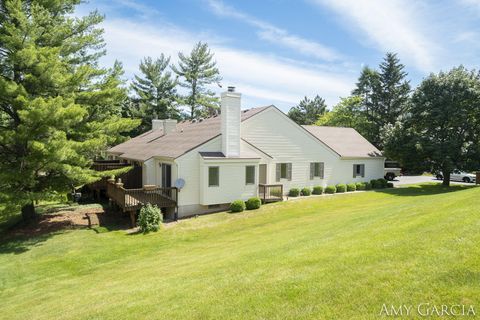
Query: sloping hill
{"points": [[339, 257]]}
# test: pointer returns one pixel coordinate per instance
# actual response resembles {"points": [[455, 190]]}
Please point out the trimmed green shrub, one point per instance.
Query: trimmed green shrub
{"points": [[382, 183], [331, 189], [341, 187], [317, 190], [374, 184], [253, 203], [360, 185], [389, 185], [368, 186], [351, 187], [306, 191], [294, 192], [150, 218], [237, 206]]}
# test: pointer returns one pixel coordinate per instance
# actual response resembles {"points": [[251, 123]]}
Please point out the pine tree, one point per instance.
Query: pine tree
{"points": [[385, 95], [58, 109], [155, 93], [308, 111], [198, 70]]}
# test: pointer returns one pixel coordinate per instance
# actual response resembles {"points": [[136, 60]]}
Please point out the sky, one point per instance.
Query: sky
{"points": [[279, 51]]}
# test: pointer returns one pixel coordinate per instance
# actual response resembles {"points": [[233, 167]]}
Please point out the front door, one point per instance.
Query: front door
{"points": [[262, 174], [166, 175]]}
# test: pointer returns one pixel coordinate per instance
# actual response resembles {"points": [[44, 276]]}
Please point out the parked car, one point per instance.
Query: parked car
{"points": [[392, 170], [458, 175]]}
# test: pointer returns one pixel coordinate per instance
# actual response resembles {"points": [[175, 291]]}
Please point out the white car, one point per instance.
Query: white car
{"points": [[458, 175]]}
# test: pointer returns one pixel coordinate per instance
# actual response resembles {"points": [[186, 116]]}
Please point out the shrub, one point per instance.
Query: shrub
{"points": [[360, 185], [374, 184], [317, 190], [149, 218], [341, 187], [389, 185], [351, 187], [306, 191], [237, 206], [368, 186], [294, 192], [382, 183], [253, 203], [331, 189]]}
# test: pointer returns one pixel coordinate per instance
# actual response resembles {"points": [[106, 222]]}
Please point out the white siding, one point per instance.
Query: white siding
{"points": [[281, 138]]}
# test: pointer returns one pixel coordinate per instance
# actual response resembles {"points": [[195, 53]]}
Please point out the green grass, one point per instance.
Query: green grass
{"points": [[337, 257]]}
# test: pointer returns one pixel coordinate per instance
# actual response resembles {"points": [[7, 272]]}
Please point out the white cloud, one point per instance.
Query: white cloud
{"points": [[393, 25], [277, 36], [263, 79]]}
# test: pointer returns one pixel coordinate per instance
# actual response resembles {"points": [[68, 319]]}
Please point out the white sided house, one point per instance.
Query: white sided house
{"points": [[233, 155]]}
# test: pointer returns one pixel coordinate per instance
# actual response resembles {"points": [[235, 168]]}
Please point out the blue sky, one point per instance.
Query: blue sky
{"points": [[278, 51]]}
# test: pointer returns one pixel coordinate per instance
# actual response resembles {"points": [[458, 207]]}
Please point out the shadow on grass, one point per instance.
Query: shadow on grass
{"points": [[424, 189]]}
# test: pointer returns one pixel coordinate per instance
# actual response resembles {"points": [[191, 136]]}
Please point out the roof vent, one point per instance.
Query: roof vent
{"points": [[231, 89]]}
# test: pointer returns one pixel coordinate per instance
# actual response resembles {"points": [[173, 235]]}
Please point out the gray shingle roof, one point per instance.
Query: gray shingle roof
{"points": [[346, 142], [187, 136]]}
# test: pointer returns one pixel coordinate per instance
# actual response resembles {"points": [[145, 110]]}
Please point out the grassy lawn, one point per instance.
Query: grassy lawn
{"points": [[338, 257]]}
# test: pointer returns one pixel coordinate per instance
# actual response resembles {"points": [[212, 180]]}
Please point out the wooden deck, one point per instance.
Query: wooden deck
{"points": [[132, 200], [270, 192]]}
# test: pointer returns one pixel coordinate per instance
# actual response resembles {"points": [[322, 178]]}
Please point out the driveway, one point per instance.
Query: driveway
{"points": [[421, 179]]}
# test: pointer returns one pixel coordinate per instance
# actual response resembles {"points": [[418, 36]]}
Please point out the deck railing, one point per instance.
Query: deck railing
{"points": [[270, 192], [108, 165], [134, 199]]}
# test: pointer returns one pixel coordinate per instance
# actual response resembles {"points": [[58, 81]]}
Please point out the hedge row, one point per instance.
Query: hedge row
{"points": [[341, 188], [250, 204]]}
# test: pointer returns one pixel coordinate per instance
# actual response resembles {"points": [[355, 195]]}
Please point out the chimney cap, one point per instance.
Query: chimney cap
{"points": [[231, 89]]}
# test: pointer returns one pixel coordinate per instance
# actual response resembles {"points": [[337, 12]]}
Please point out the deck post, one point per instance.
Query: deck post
{"points": [[132, 219]]}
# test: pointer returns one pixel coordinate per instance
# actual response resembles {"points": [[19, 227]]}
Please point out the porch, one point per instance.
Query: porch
{"points": [[270, 192]]}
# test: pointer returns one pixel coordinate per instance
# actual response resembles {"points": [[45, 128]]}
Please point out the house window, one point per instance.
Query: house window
{"points": [[213, 176], [358, 170], [250, 175], [284, 171], [316, 170]]}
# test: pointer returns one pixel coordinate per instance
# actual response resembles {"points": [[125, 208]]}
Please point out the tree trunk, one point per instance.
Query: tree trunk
{"points": [[28, 212], [446, 179]]}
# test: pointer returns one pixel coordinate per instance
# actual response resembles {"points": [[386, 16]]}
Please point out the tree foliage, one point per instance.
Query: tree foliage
{"points": [[349, 112], [58, 109], [442, 125], [197, 71], [155, 93], [385, 95], [308, 111]]}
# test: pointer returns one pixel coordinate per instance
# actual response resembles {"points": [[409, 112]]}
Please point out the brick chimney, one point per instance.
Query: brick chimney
{"points": [[230, 116]]}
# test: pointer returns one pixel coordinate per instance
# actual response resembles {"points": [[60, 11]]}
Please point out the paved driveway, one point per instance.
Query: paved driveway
{"points": [[420, 179]]}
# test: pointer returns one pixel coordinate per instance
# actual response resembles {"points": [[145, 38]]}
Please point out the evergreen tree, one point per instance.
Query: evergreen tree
{"points": [[155, 93], [385, 94], [58, 109], [197, 71], [442, 126], [308, 111]]}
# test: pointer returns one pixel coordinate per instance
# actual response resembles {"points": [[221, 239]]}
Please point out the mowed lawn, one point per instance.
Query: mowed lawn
{"points": [[330, 257]]}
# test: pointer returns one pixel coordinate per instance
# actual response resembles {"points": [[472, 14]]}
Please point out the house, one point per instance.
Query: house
{"points": [[226, 157]]}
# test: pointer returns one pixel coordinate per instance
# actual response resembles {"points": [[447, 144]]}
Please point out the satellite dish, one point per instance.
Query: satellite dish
{"points": [[179, 183]]}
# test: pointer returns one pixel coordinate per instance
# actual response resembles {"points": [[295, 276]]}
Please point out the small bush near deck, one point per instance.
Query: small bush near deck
{"points": [[150, 218], [341, 188], [317, 190], [368, 186], [360, 185], [253, 203], [306, 191], [351, 187], [389, 185], [331, 189], [294, 192], [237, 206]]}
